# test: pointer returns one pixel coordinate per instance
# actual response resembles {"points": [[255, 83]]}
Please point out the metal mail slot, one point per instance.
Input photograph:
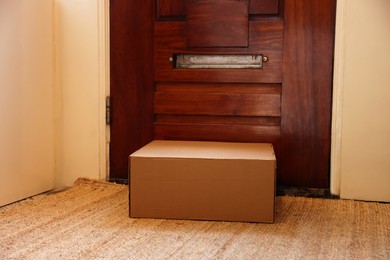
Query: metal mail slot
{"points": [[225, 61]]}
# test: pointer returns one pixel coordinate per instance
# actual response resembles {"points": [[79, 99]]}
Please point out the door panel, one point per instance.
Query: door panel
{"points": [[177, 8], [132, 83], [207, 26], [195, 99], [205, 131], [170, 8], [270, 7], [265, 38], [234, 104], [223, 112], [307, 92], [285, 101]]}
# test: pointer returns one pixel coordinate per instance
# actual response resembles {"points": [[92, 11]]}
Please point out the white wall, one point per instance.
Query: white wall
{"points": [[363, 77], [81, 86], [26, 79]]}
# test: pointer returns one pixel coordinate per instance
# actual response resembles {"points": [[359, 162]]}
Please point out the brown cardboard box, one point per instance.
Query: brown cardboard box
{"points": [[203, 181]]}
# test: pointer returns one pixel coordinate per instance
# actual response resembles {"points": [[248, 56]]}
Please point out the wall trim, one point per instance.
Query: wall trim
{"points": [[337, 109], [104, 85]]}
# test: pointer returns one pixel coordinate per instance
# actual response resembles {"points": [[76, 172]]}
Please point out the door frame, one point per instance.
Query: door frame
{"points": [[337, 106], [338, 75], [103, 24]]}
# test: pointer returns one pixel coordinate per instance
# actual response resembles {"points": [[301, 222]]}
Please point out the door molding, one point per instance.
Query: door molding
{"points": [[337, 109], [103, 9]]}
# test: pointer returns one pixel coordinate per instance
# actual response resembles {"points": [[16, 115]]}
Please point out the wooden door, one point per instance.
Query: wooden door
{"points": [[284, 99]]}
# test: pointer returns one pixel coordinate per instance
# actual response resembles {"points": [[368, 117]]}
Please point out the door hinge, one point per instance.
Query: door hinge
{"points": [[108, 110]]}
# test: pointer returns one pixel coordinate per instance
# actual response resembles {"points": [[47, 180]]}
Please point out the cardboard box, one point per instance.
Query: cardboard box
{"points": [[203, 181]]}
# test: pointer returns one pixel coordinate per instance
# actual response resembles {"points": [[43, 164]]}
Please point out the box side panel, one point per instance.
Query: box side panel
{"points": [[231, 190]]}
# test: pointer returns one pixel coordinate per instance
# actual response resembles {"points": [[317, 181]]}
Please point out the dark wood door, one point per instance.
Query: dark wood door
{"points": [[284, 99]]}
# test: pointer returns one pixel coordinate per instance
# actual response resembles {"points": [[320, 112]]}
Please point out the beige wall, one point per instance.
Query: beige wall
{"points": [[26, 125], [81, 90], [363, 85], [53, 82]]}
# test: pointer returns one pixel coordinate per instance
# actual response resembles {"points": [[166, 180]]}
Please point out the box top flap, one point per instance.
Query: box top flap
{"points": [[206, 150]]}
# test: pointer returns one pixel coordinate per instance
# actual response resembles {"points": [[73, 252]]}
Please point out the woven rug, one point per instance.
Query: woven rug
{"points": [[90, 221]]}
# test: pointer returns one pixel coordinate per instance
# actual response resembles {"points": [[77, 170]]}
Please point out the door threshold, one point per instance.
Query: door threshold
{"points": [[305, 192]]}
